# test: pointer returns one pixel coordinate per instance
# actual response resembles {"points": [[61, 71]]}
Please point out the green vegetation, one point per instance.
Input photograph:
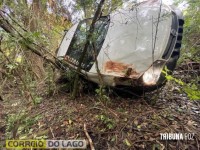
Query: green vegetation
{"points": [[36, 99], [191, 89], [191, 38]]}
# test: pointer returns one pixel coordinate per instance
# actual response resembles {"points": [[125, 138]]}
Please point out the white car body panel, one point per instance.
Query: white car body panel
{"points": [[129, 40], [66, 41], [127, 51]]}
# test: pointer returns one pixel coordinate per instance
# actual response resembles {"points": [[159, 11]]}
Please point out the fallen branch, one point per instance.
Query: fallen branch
{"points": [[52, 132], [33, 47], [88, 137]]}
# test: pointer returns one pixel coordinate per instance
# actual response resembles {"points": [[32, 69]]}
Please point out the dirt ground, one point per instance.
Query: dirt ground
{"points": [[114, 122]]}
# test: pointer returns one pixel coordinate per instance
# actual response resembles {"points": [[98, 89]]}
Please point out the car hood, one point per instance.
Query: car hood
{"points": [[137, 37]]}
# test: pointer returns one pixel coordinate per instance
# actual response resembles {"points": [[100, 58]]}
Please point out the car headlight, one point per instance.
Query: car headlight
{"points": [[151, 76]]}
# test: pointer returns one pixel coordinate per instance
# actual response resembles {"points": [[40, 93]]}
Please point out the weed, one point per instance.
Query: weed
{"points": [[191, 89], [19, 124], [108, 122], [101, 92]]}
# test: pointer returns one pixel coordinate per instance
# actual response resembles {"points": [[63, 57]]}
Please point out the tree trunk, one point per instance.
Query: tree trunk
{"points": [[36, 62], [88, 39], [7, 27]]}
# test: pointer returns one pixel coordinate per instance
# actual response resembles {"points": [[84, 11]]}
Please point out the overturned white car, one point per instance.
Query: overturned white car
{"points": [[132, 45]]}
